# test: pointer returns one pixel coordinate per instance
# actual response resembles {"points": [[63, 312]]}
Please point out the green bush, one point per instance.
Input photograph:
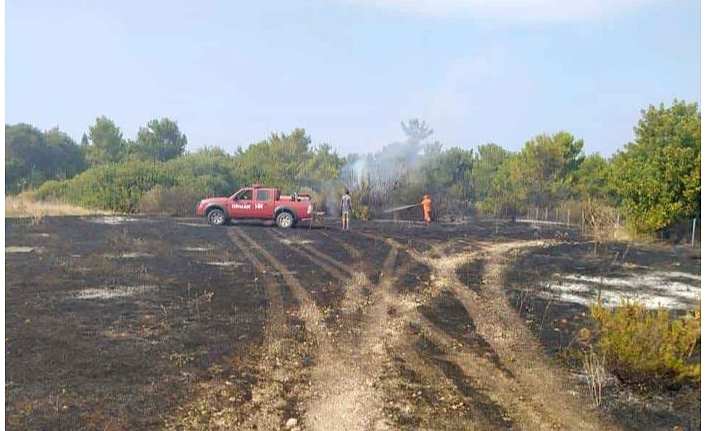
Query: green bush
{"points": [[212, 174], [362, 212], [122, 187], [116, 187], [648, 347], [52, 190]]}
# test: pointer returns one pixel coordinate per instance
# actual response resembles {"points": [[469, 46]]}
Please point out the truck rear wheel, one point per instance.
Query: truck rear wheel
{"points": [[285, 220], [216, 217]]}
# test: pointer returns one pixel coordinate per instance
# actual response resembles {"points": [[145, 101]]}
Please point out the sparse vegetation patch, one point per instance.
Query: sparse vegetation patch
{"points": [[649, 347]]}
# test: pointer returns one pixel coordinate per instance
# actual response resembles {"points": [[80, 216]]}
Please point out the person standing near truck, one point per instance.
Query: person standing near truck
{"points": [[426, 206], [346, 209]]}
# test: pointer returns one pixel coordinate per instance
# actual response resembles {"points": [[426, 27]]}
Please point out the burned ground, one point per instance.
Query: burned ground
{"points": [[108, 325], [561, 326], [145, 323]]}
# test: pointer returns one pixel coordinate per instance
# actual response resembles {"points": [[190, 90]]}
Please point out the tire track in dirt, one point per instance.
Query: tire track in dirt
{"points": [[274, 367], [443, 395], [477, 408], [392, 316], [334, 267], [354, 252], [345, 394], [277, 369], [343, 386], [355, 282], [342, 394], [543, 383], [310, 312], [534, 392], [451, 402], [344, 382], [502, 395], [541, 390], [274, 396], [508, 393]]}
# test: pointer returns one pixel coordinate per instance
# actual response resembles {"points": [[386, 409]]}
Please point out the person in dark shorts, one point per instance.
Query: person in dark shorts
{"points": [[346, 209]]}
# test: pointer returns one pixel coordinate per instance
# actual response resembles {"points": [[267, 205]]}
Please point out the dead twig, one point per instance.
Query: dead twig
{"points": [[546, 311], [594, 367]]}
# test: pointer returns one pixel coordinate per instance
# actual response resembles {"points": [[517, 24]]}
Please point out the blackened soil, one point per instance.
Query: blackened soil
{"points": [[471, 274], [448, 314], [475, 403], [414, 277], [109, 326], [117, 326], [566, 330]]}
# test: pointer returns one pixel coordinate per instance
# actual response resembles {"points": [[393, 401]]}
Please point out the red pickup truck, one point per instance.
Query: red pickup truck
{"points": [[258, 203]]}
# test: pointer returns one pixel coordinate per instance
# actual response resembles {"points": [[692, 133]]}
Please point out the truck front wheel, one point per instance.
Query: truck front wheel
{"points": [[285, 220], [216, 217]]}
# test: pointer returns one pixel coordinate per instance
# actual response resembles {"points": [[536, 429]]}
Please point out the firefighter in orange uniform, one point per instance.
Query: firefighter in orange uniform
{"points": [[426, 206]]}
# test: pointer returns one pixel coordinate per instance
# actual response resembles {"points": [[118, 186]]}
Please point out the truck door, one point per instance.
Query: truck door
{"points": [[241, 205], [263, 204]]}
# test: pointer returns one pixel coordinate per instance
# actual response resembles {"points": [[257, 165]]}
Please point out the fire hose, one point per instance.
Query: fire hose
{"points": [[400, 208]]}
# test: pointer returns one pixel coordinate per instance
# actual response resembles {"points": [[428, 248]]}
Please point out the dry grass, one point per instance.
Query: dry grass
{"points": [[596, 374], [25, 205]]}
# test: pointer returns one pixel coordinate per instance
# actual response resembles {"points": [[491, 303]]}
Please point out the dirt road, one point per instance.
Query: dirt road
{"points": [[363, 316]]}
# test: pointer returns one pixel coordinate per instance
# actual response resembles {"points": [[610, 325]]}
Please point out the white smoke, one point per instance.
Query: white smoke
{"points": [[378, 178]]}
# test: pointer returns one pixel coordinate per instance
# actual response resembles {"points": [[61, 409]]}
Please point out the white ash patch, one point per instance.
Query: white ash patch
{"points": [[291, 241], [603, 377], [360, 279], [197, 248], [115, 292], [112, 220], [224, 263], [671, 290], [678, 274], [194, 224], [131, 255], [22, 249]]}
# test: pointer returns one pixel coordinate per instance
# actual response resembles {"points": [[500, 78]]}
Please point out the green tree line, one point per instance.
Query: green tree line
{"points": [[654, 180]]}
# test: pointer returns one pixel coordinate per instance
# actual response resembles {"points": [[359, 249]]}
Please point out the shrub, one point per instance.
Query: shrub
{"points": [[122, 187], [117, 187], [599, 221], [52, 190], [648, 347], [170, 201], [362, 212], [318, 198]]}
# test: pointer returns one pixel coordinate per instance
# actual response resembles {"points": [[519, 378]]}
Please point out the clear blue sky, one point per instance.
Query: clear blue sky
{"points": [[348, 71]]}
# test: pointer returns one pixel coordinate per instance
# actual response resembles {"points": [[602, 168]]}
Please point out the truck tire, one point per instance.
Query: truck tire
{"points": [[285, 220], [216, 217]]}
